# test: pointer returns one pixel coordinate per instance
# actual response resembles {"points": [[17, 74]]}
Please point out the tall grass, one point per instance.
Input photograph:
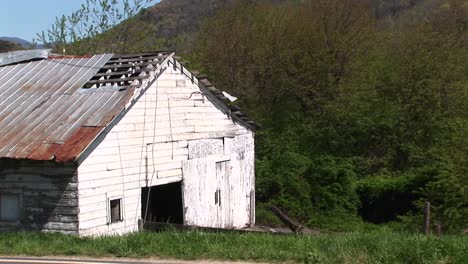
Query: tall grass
{"points": [[374, 247]]}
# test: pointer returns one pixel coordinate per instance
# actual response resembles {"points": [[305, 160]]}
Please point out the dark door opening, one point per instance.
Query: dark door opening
{"points": [[164, 204]]}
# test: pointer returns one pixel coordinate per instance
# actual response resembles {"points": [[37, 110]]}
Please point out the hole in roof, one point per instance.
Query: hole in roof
{"points": [[126, 70]]}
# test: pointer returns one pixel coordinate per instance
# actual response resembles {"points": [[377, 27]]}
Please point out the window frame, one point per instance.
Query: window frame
{"points": [[109, 210], [19, 196]]}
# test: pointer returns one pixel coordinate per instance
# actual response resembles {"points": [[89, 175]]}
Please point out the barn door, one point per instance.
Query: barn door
{"points": [[200, 193], [207, 193], [224, 199]]}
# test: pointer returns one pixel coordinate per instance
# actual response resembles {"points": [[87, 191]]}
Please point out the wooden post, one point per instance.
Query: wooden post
{"points": [[427, 218], [140, 225], [252, 208], [438, 229]]}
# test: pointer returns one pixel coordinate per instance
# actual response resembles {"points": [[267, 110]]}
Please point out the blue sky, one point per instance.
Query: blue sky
{"points": [[25, 18]]}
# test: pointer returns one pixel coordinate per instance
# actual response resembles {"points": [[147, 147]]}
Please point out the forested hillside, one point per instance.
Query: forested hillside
{"points": [[364, 104], [364, 117]]}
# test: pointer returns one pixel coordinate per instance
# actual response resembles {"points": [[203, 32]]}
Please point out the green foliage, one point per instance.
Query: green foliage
{"points": [[282, 179], [332, 184], [92, 28], [377, 246], [362, 117]]}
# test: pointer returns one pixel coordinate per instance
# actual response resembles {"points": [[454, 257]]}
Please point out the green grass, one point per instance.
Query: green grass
{"points": [[380, 246]]}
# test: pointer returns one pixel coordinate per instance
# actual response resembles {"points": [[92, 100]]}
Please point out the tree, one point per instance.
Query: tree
{"points": [[352, 106], [87, 30]]}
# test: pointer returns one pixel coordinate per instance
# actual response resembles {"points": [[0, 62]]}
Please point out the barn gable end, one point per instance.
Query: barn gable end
{"points": [[176, 132]]}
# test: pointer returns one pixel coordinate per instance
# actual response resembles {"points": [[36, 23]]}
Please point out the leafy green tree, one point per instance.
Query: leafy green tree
{"points": [[92, 28], [360, 115]]}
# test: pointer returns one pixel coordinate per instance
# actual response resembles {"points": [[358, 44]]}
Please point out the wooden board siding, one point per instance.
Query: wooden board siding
{"points": [[217, 185], [147, 147], [47, 192]]}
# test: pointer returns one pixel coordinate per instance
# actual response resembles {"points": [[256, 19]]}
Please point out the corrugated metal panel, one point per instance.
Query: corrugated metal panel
{"points": [[77, 143], [41, 114], [23, 55], [46, 114]]}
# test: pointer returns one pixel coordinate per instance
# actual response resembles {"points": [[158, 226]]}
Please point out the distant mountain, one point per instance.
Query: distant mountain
{"points": [[6, 46], [23, 43]]}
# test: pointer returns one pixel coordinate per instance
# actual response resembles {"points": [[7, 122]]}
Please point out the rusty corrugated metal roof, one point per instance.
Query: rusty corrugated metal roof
{"points": [[44, 113]]}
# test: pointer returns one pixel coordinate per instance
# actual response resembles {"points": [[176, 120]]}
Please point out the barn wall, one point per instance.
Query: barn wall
{"points": [[147, 148], [47, 192]]}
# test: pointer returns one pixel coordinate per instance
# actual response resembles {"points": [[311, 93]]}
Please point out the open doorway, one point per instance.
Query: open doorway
{"points": [[164, 204]]}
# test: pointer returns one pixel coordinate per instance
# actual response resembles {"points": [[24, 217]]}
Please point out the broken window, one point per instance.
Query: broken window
{"points": [[9, 207], [115, 210]]}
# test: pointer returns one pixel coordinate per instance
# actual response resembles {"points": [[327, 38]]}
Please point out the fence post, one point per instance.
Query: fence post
{"points": [[140, 225], [427, 218], [438, 229]]}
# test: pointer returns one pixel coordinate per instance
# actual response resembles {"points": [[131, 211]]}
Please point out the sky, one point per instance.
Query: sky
{"points": [[25, 18]]}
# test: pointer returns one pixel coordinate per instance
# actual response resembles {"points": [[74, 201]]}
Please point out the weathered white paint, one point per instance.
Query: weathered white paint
{"points": [[152, 144], [217, 188], [47, 195]]}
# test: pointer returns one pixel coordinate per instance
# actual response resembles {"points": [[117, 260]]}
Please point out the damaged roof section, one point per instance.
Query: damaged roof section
{"points": [[126, 70], [52, 109]]}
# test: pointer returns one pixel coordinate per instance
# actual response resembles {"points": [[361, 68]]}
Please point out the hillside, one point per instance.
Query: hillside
{"points": [[173, 24], [178, 17], [176, 20], [6, 46], [19, 41], [168, 25]]}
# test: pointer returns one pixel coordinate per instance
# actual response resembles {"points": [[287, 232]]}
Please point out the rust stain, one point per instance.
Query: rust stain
{"points": [[117, 109], [32, 120], [76, 144], [27, 87], [44, 151]]}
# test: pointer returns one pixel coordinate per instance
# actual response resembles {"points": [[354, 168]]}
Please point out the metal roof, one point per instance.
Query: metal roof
{"points": [[23, 55], [46, 113]]}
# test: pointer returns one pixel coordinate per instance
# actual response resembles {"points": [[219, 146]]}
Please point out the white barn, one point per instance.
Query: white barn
{"points": [[93, 145]]}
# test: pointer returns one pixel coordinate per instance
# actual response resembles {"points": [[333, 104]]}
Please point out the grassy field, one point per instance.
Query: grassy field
{"points": [[374, 247]]}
